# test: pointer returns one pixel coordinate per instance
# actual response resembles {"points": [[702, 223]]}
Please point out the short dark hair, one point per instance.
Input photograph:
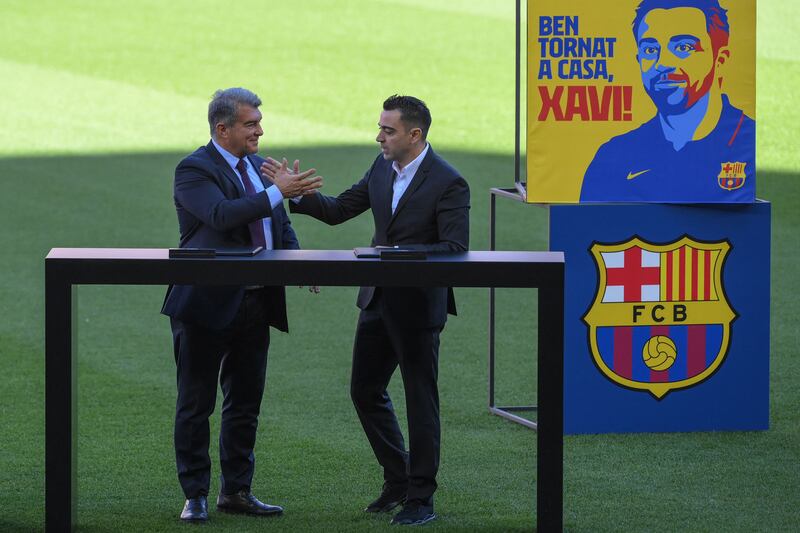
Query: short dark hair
{"points": [[716, 17], [225, 104], [413, 111]]}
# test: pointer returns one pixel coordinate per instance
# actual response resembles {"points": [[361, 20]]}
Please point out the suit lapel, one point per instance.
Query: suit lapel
{"points": [[416, 182], [389, 192], [226, 169]]}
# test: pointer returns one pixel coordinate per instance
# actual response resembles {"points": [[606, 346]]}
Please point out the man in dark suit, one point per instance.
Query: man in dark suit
{"points": [[222, 332], [418, 201]]}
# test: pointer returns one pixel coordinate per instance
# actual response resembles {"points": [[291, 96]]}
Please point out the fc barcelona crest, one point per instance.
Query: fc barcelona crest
{"points": [[660, 320], [732, 175]]}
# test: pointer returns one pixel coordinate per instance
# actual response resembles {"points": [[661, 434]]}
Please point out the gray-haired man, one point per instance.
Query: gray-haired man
{"points": [[222, 332]]}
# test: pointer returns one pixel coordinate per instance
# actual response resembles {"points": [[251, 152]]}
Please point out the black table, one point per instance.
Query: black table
{"points": [[65, 268]]}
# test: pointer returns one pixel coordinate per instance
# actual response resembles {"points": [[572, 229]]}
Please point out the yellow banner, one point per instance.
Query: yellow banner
{"points": [[633, 101]]}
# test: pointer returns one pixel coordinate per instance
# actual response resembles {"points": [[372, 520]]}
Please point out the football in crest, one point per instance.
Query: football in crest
{"points": [[659, 353]]}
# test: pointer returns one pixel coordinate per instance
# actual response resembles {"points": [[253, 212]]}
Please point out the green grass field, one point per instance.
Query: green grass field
{"points": [[101, 100]]}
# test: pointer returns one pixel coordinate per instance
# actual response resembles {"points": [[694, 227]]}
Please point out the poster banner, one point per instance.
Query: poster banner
{"points": [[641, 101], [666, 316]]}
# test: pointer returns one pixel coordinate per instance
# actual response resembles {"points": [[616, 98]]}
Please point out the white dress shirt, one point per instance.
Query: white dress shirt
{"points": [[404, 176]]}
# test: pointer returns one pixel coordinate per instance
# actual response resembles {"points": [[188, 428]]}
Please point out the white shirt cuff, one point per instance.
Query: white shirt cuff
{"points": [[275, 196]]}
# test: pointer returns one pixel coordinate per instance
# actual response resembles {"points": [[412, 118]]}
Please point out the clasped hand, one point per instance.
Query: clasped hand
{"points": [[291, 182]]}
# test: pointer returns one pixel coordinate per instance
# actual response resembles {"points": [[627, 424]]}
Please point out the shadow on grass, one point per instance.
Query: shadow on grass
{"points": [[12, 526], [119, 200]]}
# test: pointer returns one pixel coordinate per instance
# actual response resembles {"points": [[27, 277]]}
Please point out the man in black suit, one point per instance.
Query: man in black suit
{"points": [[222, 332], [418, 201]]}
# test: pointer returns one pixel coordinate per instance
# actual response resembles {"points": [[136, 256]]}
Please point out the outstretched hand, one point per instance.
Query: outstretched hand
{"points": [[291, 182]]}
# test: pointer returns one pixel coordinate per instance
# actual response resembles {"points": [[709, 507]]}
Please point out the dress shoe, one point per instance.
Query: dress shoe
{"points": [[243, 502], [390, 498], [414, 513], [195, 510]]}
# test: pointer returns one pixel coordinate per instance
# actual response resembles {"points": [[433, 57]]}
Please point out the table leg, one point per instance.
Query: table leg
{"points": [[60, 401], [550, 431]]}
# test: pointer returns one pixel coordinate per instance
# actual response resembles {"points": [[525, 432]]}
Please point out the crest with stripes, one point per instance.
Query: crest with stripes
{"points": [[660, 319]]}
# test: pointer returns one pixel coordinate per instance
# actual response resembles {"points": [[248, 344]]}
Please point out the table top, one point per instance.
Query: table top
{"points": [[317, 267]]}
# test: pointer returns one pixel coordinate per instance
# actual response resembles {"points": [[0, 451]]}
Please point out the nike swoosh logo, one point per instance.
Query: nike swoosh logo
{"points": [[632, 175]]}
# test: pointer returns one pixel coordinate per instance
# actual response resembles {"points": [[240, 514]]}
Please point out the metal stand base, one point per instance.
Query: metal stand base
{"points": [[504, 412]]}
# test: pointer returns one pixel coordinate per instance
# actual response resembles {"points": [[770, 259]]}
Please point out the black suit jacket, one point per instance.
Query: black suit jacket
{"points": [[432, 215], [213, 212]]}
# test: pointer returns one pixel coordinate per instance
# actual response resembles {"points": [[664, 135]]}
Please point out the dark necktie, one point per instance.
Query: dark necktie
{"points": [[256, 226]]}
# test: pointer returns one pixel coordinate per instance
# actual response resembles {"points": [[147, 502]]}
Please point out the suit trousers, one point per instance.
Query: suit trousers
{"points": [[381, 345], [237, 356]]}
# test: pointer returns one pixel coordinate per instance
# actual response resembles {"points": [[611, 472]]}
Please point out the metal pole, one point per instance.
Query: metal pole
{"points": [[491, 302], [517, 95]]}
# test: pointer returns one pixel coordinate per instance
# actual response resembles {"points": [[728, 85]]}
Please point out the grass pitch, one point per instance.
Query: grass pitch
{"points": [[101, 100]]}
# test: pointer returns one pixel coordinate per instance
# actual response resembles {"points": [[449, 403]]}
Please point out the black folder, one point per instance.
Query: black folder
{"points": [[389, 252], [194, 253], [245, 251]]}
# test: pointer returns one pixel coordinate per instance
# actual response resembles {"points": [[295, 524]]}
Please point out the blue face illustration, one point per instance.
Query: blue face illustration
{"points": [[676, 58]]}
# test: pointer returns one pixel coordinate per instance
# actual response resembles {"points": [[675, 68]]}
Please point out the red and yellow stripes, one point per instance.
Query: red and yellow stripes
{"points": [[687, 275]]}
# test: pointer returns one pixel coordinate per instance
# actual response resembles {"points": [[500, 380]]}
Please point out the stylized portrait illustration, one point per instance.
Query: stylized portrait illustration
{"points": [[698, 147]]}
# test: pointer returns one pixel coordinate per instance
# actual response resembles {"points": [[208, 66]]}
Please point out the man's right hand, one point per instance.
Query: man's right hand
{"points": [[291, 182]]}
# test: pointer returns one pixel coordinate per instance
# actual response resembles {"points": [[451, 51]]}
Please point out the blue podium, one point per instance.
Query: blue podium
{"points": [[666, 316]]}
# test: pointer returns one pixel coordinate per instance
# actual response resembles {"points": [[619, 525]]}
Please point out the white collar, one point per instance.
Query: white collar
{"points": [[411, 168], [231, 159]]}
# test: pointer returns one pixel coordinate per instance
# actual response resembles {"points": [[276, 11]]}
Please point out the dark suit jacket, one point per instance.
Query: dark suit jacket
{"points": [[213, 212], [432, 215]]}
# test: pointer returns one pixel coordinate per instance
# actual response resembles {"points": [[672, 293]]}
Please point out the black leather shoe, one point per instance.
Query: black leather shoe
{"points": [[195, 510], [390, 498], [243, 502], [414, 513]]}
